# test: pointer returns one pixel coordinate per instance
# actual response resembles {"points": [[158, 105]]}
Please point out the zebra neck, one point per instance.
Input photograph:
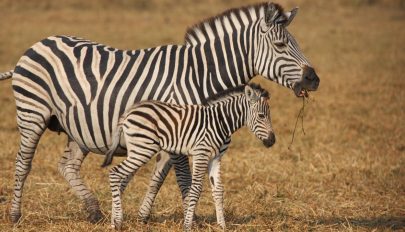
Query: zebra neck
{"points": [[224, 62], [231, 114]]}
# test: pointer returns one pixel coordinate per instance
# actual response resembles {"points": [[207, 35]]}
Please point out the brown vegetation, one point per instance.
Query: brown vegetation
{"points": [[346, 173]]}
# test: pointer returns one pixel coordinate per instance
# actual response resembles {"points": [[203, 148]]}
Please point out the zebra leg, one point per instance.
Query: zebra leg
{"points": [[183, 177], [31, 127], [125, 182], [200, 164], [214, 172], [69, 167], [163, 164], [162, 168], [123, 172]]}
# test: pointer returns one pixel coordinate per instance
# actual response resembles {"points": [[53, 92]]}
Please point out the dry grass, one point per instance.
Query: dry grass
{"points": [[347, 173]]}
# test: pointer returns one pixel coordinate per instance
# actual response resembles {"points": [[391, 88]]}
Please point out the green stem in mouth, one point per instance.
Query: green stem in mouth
{"points": [[300, 115]]}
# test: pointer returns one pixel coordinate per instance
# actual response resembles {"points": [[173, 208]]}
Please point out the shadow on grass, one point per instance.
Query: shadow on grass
{"points": [[394, 223], [178, 217]]}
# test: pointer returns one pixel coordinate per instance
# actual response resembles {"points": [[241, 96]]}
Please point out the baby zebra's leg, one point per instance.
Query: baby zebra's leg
{"points": [[183, 177], [162, 168], [140, 151], [163, 164], [200, 164], [214, 172]]}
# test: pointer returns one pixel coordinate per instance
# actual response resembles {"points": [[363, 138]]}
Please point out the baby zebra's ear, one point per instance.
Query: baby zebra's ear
{"points": [[290, 16], [276, 15], [265, 94], [251, 94]]}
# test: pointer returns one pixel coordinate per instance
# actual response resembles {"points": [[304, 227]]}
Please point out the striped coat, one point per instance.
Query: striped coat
{"points": [[192, 130]]}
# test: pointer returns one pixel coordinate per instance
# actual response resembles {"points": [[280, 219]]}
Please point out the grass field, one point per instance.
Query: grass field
{"points": [[347, 173]]}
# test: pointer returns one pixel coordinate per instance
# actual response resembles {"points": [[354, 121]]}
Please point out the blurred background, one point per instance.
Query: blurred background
{"points": [[347, 172]]}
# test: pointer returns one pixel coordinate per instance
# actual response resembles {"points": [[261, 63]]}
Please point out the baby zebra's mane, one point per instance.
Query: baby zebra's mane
{"points": [[224, 95], [225, 22]]}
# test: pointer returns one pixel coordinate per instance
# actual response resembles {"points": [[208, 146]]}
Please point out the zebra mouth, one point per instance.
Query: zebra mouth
{"points": [[300, 91], [303, 93]]}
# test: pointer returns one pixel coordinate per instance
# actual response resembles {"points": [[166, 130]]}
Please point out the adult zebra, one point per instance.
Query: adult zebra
{"points": [[81, 87], [200, 131]]}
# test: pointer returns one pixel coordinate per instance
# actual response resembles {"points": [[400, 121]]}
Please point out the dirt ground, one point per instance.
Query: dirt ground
{"points": [[346, 173]]}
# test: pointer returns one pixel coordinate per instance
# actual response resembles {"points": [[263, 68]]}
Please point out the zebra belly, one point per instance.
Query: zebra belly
{"points": [[85, 126]]}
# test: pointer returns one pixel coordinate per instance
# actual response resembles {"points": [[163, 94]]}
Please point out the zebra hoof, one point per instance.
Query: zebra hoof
{"points": [[143, 219], [15, 217], [117, 225], [223, 226], [95, 217], [195, 218], [187, 228]]}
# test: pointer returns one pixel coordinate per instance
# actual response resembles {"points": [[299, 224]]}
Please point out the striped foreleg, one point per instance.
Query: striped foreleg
{"points": [[214, 172], [200, 164], [69, 167], [183, 177]]}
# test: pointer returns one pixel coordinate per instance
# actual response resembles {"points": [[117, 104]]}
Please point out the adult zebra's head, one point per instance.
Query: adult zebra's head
{"points": [[278, 56], [258, 116]]}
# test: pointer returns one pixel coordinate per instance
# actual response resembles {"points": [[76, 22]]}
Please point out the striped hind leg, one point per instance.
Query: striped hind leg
{"points": [[162, 168], [69, 167], [31, 126], [164, 162], [200, 165], [139, 153]]}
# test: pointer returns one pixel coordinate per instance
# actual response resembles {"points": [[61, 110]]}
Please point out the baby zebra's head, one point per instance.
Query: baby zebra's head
{"points": [[258, 118]]}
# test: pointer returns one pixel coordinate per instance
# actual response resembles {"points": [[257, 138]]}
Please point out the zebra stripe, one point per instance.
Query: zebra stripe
{"points": [[199, 131], [81, 88]]}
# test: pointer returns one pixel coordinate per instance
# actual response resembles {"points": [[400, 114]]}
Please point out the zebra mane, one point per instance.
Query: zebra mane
{"points": [[258, 88], [220, 24], [234, 91]]}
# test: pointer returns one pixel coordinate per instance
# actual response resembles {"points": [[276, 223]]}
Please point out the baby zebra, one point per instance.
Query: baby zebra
{"points": [[199, 131]]}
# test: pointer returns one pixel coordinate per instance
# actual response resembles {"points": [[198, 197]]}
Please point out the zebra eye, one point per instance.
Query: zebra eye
{"points": [[261, 115], [280, 45]]}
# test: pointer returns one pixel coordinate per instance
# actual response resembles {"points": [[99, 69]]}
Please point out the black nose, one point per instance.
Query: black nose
{"points": [[311, 78], [310, 74], [270, 140]]}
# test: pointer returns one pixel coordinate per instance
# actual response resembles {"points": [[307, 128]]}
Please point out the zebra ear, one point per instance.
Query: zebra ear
{"points": [[290, 16], [275, 15], [250, 93]]}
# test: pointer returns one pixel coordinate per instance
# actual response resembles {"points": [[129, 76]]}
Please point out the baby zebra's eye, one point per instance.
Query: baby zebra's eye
{"points": [[261, 115], [280, 45]]}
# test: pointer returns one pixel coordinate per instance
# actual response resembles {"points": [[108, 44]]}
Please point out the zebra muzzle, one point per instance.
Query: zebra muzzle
{"points": [[269, 141]]}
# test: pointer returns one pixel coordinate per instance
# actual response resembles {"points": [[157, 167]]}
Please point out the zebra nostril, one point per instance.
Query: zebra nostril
{"points": [[309, 74], [273, 138], [310, 77]]}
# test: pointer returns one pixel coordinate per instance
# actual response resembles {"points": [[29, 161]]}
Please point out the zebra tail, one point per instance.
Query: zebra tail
{"points": [[110, 153], [6, 75]]}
